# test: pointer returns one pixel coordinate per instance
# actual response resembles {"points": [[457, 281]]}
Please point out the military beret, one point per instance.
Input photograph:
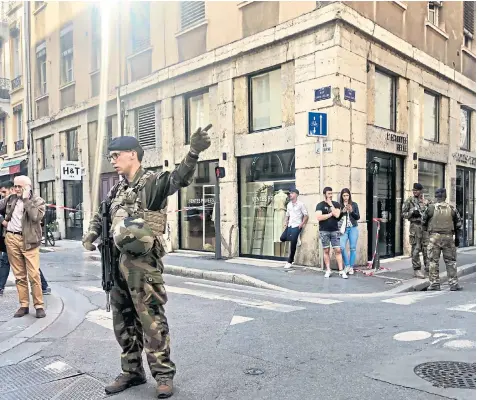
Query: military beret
{"points": [[417, 186], [294, 190], [441, 192], [124, 143]]}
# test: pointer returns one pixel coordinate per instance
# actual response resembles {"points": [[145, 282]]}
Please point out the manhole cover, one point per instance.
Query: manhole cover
{"points": [[254, 371], [448, 374]]}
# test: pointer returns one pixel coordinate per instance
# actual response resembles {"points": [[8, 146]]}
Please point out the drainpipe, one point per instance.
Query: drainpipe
{"points": [[30, 141]]}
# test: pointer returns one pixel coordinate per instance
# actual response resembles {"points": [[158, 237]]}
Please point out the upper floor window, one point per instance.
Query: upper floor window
{"points": [[41, 68], [265, 96], [433, 12], [192, 12], [469, 23], [95, 39], [72, 145], [3, 131], [197, 113], [146, 125], [47, 150], [385, 101], [66, 62], [465, 128], [16, 44], [140, 26], [431, 117], [18, 114]]}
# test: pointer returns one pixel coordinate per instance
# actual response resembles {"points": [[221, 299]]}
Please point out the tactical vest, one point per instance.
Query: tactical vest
{"points": [[441, 221], [131, 201]]}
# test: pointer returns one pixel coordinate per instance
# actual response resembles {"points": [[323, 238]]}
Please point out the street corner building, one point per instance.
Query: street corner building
{"points": [[382, 93]]}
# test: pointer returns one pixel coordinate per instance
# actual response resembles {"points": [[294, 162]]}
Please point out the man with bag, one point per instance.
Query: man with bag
{"points": [[296, 219], [138, 295]]}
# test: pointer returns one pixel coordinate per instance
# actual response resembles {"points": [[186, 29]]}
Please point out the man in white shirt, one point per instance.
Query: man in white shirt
{"points": [[296, 219]]}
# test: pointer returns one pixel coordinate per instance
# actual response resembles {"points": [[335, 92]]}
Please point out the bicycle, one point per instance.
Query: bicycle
{"points": [[49, 237]]}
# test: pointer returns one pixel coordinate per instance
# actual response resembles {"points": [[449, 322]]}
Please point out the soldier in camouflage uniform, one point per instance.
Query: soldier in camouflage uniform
{"points": [[442, 221], [138, 295], [413, 209]]}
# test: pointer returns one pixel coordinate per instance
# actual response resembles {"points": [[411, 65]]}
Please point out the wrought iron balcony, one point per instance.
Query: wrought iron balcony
{"points": [[3, 150], [19, 145], [4, 88], [17, 82]]}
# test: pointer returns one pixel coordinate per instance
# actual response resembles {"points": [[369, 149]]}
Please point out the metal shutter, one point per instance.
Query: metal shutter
{"points": [[191, 13], [469, 16], [146, 125]]}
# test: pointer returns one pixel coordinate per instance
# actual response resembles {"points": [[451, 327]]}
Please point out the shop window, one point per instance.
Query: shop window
{"points": [[385, 101], [197, 224], [146, 125], [72, 145], [465, 128], [264, 184], [192, 12], [197, 113], [431, 176], [266, 106], [47, 193], [47, 152], [431, 117]]}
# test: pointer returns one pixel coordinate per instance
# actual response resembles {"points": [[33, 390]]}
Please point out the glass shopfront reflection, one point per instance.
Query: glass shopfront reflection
{"points": [[265, 181], [465, 203], [197, 230]]}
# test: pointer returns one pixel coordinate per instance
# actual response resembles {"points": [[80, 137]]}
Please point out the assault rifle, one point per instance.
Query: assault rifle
{"points": [[108, 259]]}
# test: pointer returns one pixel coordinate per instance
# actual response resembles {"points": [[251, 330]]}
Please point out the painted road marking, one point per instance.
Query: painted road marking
{"points": [[264, 305], [237, 319], [91, 288], [285, 296], [409, 299], [464, 307], [101, 317], [412, 336], [460, 344]]}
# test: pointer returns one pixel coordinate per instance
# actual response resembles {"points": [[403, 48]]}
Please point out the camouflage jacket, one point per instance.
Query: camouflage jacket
{"points": [[412, 204], [158, 187], [429, 213]]}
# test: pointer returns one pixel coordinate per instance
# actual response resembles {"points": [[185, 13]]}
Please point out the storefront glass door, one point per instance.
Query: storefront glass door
{"points": [[384, 187], [465, 201], [197, 229], [74, 212]]}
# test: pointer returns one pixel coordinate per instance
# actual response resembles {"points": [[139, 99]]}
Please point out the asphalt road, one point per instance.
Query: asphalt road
{"points": [[326, 347]]}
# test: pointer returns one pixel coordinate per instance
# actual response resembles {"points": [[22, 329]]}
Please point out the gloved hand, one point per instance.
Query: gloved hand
{"points": [[200, 140], [456, 241], [416, 214], [89, 246]]}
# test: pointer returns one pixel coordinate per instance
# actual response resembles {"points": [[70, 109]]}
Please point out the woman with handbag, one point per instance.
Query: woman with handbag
{"points": [[349, 229]]}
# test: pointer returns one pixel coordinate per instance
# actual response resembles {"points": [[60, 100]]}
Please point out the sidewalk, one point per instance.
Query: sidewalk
{"points": [[396, 275]]}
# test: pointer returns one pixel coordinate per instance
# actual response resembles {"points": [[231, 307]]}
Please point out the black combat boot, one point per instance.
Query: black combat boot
{"points": [[164, 387], [433, 287], [124, 381], [456, 288]]}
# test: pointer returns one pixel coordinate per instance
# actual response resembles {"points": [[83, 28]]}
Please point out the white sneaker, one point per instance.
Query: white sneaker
{"points": [[350, 271], [298, 243], [287, 266], [328, 273], [343, 275]]}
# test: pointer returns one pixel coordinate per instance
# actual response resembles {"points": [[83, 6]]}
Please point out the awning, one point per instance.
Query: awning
{"points": [[12, 166], [11, 163]]}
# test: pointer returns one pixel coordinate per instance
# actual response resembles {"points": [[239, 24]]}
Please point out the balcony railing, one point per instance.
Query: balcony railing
{"points": [[17, 82], [19, 145], [3, 150], [4, 88]]}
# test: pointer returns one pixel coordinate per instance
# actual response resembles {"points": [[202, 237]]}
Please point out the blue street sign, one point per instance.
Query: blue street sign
{"points": [[349, 94], [323, 93], [317, 124]]}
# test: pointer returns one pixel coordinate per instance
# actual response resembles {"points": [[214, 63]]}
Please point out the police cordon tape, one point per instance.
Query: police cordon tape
{"points": [[168, 212]]}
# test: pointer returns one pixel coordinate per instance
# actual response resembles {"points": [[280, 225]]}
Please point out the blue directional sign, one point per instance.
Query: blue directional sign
{"points": [[323, 93], [349, 94], [317, 124]]}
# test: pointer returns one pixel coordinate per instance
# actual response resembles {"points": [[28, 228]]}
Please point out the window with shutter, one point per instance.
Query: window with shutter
{"points": [[469, 17], [192, 12], [146, 125]]}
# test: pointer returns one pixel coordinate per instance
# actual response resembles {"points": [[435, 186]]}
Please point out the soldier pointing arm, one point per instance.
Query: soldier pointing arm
{"points": [[138, 222]]}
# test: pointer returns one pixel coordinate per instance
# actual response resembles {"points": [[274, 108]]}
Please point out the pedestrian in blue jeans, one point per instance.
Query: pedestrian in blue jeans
{"points": [[349, 229]]}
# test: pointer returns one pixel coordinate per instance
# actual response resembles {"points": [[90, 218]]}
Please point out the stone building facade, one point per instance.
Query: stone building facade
{"points": [[399, 101]]}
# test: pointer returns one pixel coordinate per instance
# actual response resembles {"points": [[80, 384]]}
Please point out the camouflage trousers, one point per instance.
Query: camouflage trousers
{"points": [[442, 242], [419, 240], [139, 321]]}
